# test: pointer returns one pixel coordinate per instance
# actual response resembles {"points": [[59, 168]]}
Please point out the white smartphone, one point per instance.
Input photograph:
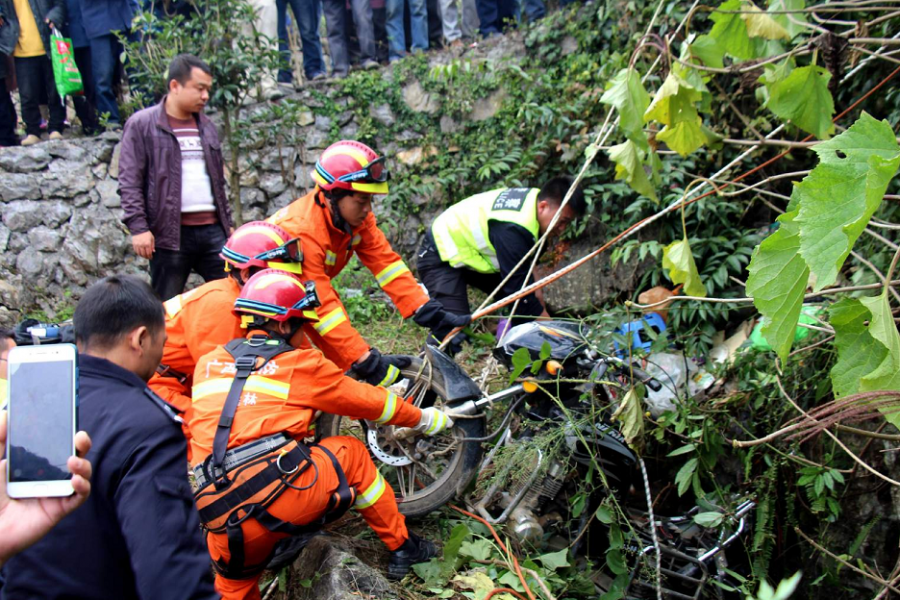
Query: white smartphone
{"points": [[43, 396]]}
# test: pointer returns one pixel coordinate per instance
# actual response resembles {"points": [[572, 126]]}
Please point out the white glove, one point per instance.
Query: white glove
{"points": [[433, 421]]}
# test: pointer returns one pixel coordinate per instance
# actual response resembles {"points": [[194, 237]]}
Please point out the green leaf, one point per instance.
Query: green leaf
{"points": [[819, 485], [546, 351], [684, 137], [615, 560], [604, 515], [478, 582], [777, 282], [555, 560], [629, 167], [759, 24], [673, 101], [883, 330], [858, 353], [841, 194], [682, 450], [521, 360], [708, 50], [708, 519], [679, 260], [627, 94], [616, 541], [785, 589], [730, 31], [684, 475], [477, 550], [631, 415], [793, 25], [803, 99]]}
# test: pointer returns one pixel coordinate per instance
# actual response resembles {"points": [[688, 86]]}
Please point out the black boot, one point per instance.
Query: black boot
{"points": [[414, 550]]}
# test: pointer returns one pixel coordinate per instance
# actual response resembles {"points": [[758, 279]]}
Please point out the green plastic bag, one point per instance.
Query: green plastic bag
{"points": [[807, 315], [65, 71]]}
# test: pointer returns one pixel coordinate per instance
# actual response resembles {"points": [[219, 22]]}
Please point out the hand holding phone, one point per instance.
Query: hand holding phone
{"points": [[24, 522], [41, 436]]}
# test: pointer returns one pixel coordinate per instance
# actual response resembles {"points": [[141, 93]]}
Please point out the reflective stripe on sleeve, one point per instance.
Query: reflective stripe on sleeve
{"points": [[372, 494], [330, 258], [330, 321], [173, 306], [392, 374], [356, 240], [439, 424], [391, 404], [255, 383], [392, 272]]}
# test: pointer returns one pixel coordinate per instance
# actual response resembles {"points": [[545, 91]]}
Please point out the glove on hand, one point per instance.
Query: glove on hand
{"points": [[432, 315], [433, 421], [381, 370]]}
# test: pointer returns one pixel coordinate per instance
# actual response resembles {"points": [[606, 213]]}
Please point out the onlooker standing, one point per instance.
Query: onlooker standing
{"points": [[435, 25], [379, 19], [495, 15], [306, 16], [9, 35], [172, 182], [418, 24], [100, 19], [34, 71], [450, 22], [138, 534], [470, 22], [266, 24], [335, 22], [85, 105]]}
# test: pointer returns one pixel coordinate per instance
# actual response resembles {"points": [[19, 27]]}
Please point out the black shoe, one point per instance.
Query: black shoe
{"points": [[414, 550]]}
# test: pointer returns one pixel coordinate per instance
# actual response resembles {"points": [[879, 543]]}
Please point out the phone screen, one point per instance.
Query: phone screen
{"points": [[40, 425]]}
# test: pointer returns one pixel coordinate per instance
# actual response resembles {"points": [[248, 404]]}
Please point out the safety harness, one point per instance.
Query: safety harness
{"points": [[240, 484]]}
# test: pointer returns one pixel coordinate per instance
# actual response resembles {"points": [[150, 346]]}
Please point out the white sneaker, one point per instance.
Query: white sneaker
{"points": [[31, 140]]}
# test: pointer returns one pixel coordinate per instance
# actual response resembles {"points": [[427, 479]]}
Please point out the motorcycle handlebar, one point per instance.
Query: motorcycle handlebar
{"points": [[646, 379]]}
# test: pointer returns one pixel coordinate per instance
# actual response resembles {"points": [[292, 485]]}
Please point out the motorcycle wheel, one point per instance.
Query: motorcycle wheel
{"points": [[448, 464]]}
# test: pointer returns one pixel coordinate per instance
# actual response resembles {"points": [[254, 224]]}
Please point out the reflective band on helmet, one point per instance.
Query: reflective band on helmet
{"points": [[330, 258], [392, 374], [255, 383], [285, 266], [391, 404], [330, 321], [173, 306], [372, 494], [392, 272], [439, 424]]}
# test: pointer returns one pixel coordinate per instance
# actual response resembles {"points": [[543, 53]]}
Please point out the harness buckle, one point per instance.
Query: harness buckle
{"points": [[245, 363], [281, 455]]}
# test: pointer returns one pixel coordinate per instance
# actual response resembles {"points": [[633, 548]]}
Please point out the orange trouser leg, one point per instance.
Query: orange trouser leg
{"points": [[375, 502]]}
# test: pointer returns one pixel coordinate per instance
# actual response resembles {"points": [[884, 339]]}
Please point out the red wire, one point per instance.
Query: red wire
{"points": [[496, 591]]}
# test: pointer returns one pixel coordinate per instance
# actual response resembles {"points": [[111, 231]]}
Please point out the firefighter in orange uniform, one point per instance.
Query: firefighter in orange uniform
{"points": [[334, 221], [200, 319], [253, 403]]}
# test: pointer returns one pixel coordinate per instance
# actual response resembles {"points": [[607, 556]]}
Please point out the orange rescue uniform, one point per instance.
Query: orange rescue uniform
{"points": [[326, 251], [283, 396]]}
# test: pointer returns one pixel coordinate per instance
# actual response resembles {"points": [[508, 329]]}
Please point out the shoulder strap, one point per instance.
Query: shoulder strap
{"points": [[245, 353]]}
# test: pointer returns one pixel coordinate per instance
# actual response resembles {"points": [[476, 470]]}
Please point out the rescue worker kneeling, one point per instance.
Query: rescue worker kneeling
{"points": [[254, 401]]}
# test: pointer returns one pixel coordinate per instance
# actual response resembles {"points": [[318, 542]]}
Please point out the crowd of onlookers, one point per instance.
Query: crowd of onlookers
{"points": [[364, 33]]}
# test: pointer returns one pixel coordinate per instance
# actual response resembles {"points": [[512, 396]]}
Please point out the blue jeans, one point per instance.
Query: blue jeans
{"points": [[104, 62], [336, 25], [495, 15], [535, 9], [418, 26], [307, 16]]}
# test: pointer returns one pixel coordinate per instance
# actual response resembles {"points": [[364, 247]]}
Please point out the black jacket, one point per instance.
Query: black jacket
{"points": [[9, 33], [138, 534], [54, 10]]}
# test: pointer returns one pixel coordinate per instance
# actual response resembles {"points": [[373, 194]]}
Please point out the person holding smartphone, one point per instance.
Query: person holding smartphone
{"points": [[138, 534], [25, 521], [7, 343]]}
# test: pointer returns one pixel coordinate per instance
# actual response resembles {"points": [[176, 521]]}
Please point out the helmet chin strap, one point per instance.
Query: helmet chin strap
{"points": [[339, 221]]}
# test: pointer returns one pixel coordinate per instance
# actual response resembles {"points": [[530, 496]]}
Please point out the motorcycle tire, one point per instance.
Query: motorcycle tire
{"points": [[461, 466]]}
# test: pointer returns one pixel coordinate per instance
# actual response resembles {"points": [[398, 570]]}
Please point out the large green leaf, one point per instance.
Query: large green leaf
{"points": [[679, 260], [884, 331], [630, 167], [777, 281], [760, 24], [631, 415], [794, 24], [709, 50], [730, 31], [684, 137], [842, 193], [628, 95], [803, 99], [858, 353]]}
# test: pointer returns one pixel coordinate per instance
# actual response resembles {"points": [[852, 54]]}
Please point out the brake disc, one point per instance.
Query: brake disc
{"points": [[375, 437]]}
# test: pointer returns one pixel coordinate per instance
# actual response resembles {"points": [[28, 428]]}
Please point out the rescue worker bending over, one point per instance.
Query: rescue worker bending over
{"points": [[334, 221], [481, 239], [199, 320], [257, 397]]}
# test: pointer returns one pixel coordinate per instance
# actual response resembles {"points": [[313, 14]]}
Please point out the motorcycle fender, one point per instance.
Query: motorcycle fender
{"points": [[459, 386]]}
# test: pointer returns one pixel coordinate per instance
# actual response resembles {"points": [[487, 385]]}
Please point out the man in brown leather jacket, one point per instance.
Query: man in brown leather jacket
{"points": [[172, 182]]}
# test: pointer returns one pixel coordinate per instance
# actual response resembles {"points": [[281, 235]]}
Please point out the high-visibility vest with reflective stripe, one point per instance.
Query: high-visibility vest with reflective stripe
{"points": [[461, 232]]}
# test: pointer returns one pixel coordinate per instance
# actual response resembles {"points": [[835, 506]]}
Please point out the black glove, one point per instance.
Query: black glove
{"points": [[432, 315], [382, 370]]}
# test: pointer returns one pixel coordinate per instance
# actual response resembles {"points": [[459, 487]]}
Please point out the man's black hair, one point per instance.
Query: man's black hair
{"points": [[555, 190], [181, 66], [5, 336], [114, 307]]}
